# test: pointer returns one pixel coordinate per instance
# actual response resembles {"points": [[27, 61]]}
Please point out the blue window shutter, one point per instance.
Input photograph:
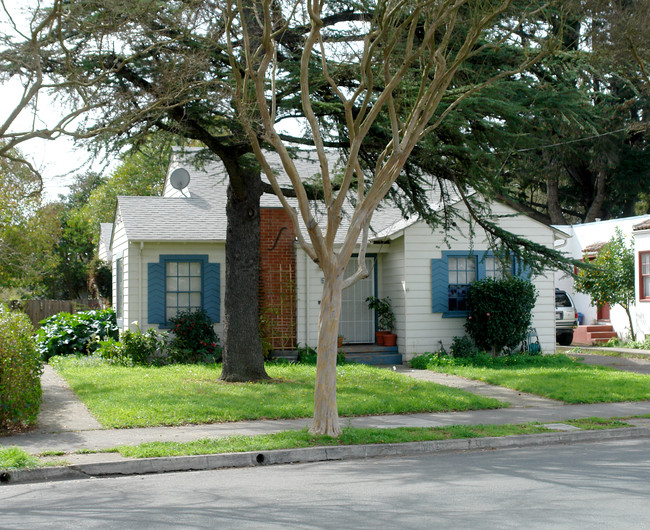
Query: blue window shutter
{"points": [[481, 266], [522, 270], [212, 291], [439, 286], [156, 293]]}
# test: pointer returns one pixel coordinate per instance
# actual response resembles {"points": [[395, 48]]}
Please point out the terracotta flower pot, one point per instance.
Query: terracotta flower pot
{"points": [[390, 339], [379, 337]]}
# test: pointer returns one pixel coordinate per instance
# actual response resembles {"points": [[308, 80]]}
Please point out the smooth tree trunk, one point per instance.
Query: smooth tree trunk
{"points": [[326, 416], [243, 359], [629, 318]]}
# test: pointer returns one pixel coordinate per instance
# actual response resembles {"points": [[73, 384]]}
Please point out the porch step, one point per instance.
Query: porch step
{"points": [[358, 353], [372, 354], [593, 334]]}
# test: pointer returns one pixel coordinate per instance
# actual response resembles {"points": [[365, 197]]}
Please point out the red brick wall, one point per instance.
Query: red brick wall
{"points": [[277, 278]]}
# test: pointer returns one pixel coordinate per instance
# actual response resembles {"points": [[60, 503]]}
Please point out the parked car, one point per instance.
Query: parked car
{"points": [[566, 317]]}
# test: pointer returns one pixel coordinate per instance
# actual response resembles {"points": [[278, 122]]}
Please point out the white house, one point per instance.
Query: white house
{"points": [[641, 232], [586, 240], [168, 253]]}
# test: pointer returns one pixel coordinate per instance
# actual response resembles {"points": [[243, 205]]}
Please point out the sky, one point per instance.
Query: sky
{"points": [[57, 160]]}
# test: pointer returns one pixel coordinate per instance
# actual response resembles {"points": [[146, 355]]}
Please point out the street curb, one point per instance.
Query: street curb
{"points": [[144, 466]]}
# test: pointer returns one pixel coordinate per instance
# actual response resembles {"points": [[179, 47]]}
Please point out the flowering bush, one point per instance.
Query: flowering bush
{"points": [[500, 312], [194, 339]]}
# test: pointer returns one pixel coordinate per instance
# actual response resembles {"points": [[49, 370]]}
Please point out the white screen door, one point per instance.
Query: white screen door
{"points": [[357, 323]]}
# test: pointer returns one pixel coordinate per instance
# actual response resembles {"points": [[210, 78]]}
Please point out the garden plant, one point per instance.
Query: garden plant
{"points": [[20, 371]]}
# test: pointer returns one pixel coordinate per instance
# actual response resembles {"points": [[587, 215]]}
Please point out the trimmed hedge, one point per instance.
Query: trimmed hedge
{"points": [[500, 312], [20, 371]]}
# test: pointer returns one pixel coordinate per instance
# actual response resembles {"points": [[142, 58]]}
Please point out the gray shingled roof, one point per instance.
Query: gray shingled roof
{"points": [[645, 225], [199, 212]]}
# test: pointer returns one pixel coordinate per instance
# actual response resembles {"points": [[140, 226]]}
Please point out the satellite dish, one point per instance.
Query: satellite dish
{"points": [[179, 178]]}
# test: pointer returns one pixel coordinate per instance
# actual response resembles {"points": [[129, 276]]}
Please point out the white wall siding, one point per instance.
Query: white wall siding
{"points": [[425, 330], [140, 255], [641, 313], [120, 250], [392, 283], [309, 292]]}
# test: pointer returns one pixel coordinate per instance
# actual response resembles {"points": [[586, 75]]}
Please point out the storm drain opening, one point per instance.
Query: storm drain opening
{"points": [[260, 459], [5, 477]]}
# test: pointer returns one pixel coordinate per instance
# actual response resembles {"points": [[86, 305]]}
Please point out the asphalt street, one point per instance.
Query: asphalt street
{"points": [[595, 485]]}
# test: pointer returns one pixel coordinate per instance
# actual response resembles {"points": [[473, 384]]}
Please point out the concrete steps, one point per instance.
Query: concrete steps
{"points": [[371, 354], [593, 334]]}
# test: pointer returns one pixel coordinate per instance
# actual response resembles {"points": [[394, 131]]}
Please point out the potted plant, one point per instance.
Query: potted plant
{"points": [[385, 318]]}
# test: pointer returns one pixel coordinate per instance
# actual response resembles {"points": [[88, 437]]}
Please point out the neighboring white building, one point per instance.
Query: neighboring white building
{"points": [[587, 239], [169, 252], [641, 232]]}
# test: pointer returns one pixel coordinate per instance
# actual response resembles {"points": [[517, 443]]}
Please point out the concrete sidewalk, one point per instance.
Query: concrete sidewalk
{"points": [[66, 425]]}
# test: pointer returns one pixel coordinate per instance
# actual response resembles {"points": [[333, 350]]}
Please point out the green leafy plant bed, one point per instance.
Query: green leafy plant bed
{"points": [[553, 376], [178, 394]]}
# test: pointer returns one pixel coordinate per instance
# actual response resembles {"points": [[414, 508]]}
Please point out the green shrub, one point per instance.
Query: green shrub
{"points": [[20, 371], [500, 312], [483, 360], [144, 348], [135, 348], [77, 334], [194, 339], [463, 347], [113, 352]]}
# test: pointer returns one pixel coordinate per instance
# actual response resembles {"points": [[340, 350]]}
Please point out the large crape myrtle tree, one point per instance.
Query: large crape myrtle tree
{"points": [[402, 69]]}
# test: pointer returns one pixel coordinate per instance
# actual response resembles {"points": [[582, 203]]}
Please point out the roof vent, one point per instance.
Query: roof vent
{"points": [[180, 178]]}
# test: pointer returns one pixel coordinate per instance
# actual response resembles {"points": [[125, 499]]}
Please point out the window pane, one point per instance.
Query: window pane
{"points": [[646, 286], [195, 300], [183, 283], [172, 268], [195, 284], [183, 268], [183, 300], [172, 283], [171, 299], [171, 312], [195, 268]]}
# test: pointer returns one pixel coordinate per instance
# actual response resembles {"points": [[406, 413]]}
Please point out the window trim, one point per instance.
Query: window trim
{"points": [[201, 291], [157, 287], [643, 296], [516, 269]]}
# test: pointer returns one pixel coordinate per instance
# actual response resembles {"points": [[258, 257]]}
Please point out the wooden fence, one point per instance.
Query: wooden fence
{"points": [[38, 310]]}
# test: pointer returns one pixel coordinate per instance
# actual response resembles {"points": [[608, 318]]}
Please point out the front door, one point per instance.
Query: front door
{"points": [[357, 324]]}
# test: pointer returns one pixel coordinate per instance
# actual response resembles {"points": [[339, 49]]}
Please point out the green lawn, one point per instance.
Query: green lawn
{"points": [[181, 394], [554, 376], [16, 458]]}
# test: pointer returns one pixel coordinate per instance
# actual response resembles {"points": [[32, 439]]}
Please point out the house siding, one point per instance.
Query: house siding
{"points": [[136, 282], [425, 330], [641, 313]]}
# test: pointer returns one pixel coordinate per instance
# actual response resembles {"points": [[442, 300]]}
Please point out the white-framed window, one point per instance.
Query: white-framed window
{"points": [[644, 276], [462, 272], [494, 268], [183, 287]]}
